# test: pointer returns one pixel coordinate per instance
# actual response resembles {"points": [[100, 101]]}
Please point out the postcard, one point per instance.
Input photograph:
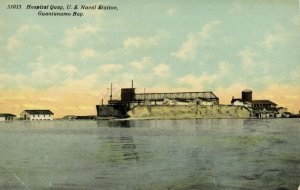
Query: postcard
{"points": [[111, 94]]}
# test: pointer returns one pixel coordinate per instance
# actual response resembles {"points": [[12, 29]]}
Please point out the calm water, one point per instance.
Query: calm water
{"points": [[151, 154]]}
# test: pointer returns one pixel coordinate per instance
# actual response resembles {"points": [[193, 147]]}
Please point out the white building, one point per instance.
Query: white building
{"points": [[237, 102], [6, 117], [36, 115]]}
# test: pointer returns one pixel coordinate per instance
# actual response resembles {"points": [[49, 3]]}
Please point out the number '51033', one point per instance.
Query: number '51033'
{"points": [[14, 6]]}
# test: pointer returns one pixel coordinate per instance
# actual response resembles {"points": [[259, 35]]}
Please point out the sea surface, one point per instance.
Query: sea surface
{"points": [[208, 154]]}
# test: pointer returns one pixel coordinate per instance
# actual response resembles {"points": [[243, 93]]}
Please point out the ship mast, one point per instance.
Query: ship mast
{"points": [[111, 91]]}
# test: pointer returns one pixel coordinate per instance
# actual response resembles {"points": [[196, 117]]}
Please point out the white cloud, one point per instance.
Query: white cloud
{"points": [[110, 67], [196, 82], [189, 47], [39, 73], [69, 69], [88, 53], [191, 81], [295, 74], [51, 72], [207, 29], [74, 34], [146, 61], [13, 43], [236, 8], [296, 19], [8, 79], [224, 68], [247, 56], [161, 70], [87, 82], [137, 42], [39, 69], [47, 72], [171, 11], [271, 39], [227, 40], [102, 56], [16, 41]]}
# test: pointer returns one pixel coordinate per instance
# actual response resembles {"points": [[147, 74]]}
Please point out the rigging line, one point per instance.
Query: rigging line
{"points": [[16, 177], [105, 94]]}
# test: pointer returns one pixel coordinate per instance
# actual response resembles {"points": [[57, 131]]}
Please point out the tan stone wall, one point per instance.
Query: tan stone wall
{"points": [[182, 112]]}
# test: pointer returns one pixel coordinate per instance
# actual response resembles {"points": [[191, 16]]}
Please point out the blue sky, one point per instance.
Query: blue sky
{"points": [[223, 46]]}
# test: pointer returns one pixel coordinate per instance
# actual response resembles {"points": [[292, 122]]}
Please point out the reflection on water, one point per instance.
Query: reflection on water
{"points": [[119, 148], [116, 123], [151, 154]]}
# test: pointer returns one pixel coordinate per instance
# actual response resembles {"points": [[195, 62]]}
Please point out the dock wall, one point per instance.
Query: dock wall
{"points": [[187, 111]]}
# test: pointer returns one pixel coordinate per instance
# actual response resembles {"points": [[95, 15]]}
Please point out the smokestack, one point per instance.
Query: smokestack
{"points": [[131, 83]]}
